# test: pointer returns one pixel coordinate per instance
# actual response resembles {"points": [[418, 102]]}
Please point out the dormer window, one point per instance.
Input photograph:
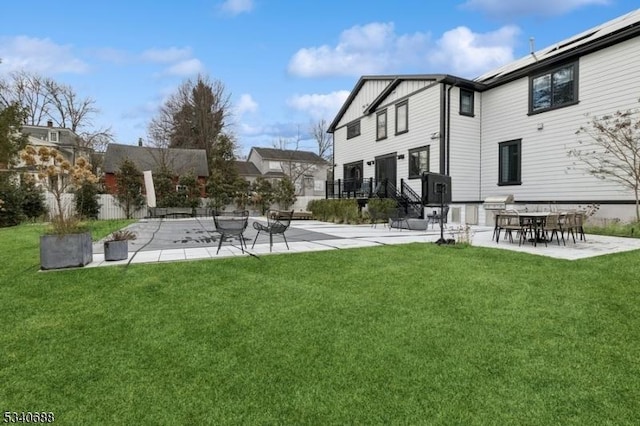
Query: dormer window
{"points": [[53, 136]]}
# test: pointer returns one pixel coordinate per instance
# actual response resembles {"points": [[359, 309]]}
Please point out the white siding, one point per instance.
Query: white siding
{"points": [[423, 118], [608, 81], [464, 156], [367, 93]]}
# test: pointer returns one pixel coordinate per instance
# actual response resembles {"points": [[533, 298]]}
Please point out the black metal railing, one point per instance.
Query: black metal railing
{"points": [[405, 197]]}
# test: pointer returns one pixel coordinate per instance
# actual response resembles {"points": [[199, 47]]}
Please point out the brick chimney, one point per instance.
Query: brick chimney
{"points": [[49, 123], [139, 141]]}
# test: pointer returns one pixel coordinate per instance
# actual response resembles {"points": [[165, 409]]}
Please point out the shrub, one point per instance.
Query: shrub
{"points": [[86, 199], [285, 193], [11, 199], [34, 204], [339, 211], [380, 209], [129, 188]]}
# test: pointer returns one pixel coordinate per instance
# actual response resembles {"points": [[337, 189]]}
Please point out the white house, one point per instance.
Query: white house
{"points": [[508, 131]]}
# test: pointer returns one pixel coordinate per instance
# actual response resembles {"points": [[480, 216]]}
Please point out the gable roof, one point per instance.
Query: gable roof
{"points": [[288, 155], [181, 161], [393, 82], [247, 168]]}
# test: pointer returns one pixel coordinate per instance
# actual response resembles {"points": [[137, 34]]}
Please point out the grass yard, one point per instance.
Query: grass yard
{"points": [[397, 334]]}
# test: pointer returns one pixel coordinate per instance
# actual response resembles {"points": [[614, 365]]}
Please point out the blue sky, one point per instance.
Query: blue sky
{"points": [[286, 64]]}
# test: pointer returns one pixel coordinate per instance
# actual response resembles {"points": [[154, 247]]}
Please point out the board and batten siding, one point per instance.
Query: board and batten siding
{"points": [[609, 80], [367, 94], [464, 148]]}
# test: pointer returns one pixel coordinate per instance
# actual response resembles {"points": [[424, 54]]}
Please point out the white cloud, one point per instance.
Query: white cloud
{"points": [[376, 49], [171, 54], [468, 54], [369, 49], [236, 7], [246, 104], [185, 68], [319, 106], [39, 55], [515, 8]]}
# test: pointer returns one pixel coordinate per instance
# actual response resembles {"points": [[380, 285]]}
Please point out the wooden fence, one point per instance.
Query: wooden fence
{"points": [[109, 208]]}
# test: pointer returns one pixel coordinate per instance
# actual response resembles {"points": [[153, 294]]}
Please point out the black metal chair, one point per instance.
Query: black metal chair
{"points": [[434, 218], [231, 224], [397, 217], [277, 224]]}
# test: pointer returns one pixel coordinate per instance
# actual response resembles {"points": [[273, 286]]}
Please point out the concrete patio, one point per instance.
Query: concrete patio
{"points": [[194, 238]]}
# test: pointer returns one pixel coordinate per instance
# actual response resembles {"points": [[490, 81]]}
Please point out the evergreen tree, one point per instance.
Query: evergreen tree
{"points": [[129, 188]]}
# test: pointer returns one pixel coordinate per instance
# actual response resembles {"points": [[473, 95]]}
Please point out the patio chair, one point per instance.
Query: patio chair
{"points": [[552, 224], [397, 217], [231, 224], [509, 221], [277, 224], [578, 224], [434, 218]]}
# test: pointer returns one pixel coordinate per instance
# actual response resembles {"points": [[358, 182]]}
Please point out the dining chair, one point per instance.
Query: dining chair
{"points": [[552, 224], [579, 223]]}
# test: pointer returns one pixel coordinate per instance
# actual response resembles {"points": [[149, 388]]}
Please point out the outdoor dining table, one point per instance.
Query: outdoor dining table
{"points": [[535, 220]]}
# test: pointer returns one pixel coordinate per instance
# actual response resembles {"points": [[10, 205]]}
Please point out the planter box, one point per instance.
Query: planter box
{"points": [[116, 250], [65, 251]]}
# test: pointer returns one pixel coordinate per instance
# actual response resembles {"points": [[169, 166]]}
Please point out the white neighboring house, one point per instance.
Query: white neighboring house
{"points": [[508, 131], [307, 170], [62, 139]]}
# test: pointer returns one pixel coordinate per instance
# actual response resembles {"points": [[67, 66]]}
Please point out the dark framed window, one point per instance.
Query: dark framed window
{"points": [[418, 161], [353, 129], [402, 117], [554, 89], [381, 125], [509, 162], [466, 102]]}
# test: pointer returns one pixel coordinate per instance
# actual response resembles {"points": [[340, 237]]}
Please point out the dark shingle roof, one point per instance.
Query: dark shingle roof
{"points": [[245, 168], [181, 161], [288, 155]]}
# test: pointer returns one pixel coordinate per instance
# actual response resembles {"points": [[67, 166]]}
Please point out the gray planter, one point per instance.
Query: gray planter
{"points": [[65, 251], [116, 250]]}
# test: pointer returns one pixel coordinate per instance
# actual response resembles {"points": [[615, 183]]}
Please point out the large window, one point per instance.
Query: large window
{"points": [[466, 102], [402, 117], [381, 125], [353, 129], [418, 161], [510, 159], [554, 89]]}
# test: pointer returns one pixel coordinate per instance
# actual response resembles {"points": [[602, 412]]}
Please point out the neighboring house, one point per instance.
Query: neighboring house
{"points": [[506, 132], [63, 140], [247, 170], [180, 161], [307, 170]]}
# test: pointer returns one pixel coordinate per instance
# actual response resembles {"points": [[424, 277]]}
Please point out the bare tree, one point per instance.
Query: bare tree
{"points": [[31, 91], [614, 150], [45, 99], [323, 139], [290, 163]]}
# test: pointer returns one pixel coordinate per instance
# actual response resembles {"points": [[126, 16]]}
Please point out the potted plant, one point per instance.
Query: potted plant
{"points": [[68, 242], [116, 247]]}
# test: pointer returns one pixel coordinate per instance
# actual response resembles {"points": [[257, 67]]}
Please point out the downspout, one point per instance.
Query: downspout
{"points": [[448, 135], [443, 105]]}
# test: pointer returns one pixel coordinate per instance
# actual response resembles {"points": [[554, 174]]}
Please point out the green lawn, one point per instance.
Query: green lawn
{"points": [[397, 334]]}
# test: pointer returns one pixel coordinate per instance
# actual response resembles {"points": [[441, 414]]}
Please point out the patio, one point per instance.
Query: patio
{"points": [[164, 240]]}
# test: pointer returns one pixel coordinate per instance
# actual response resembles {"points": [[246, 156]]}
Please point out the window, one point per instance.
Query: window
{"points": [[466, 102], [353, 129], [509, 162], [381, 125], [402, 117], [418, 161], [275, 165], [53, 136], [554, 89]]}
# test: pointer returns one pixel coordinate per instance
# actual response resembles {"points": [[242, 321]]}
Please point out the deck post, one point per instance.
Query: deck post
{"points": [[339, 188]]}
